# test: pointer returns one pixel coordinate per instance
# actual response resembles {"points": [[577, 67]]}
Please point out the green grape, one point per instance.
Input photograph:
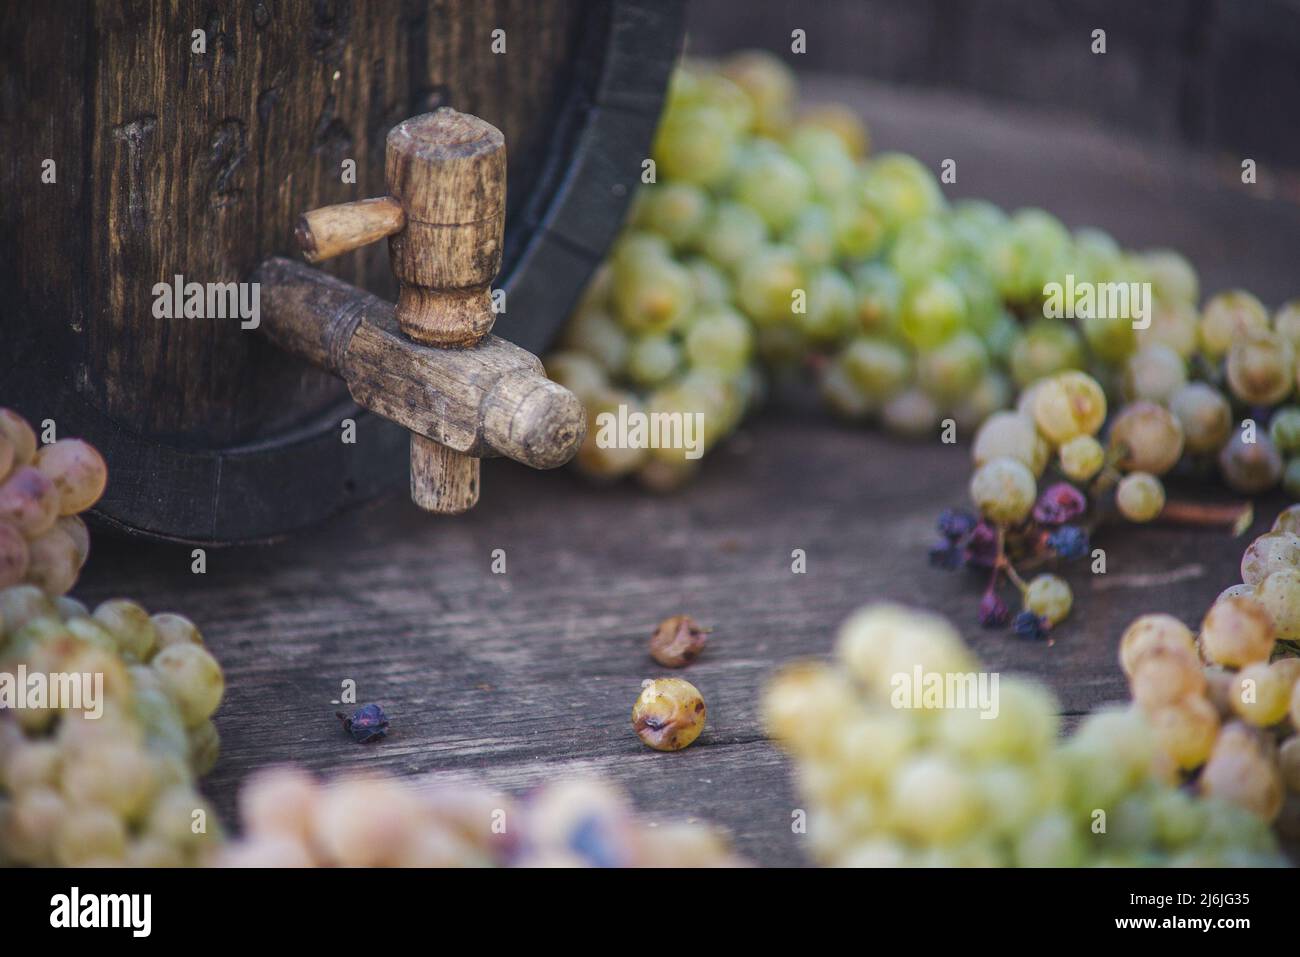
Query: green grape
{"points": [[130, 627], [1097, 253], [1288, 520], [580, 374], [879, 369], [596, 334], [826, 161], [1286, 323], [1049, 596], [1204, 416], [933, 800], [1140, 497], [1081, 458], [1185, 730], [900, 189], [696, 144], [879, 297], [116, 777], [1172, 275], [598, 457], [828, 315], [812, 235], [1261, 695], [1153, 633], [1226, 318], [1069, 404], [1146, 437], [973, 222], [1174, 326], [1250, 467], [843, 121], [766, 284], [1243, 776], [1004, 490], [775, 186], [652, 359], [1001, 332], [732, 235], [911, 413], [1047, 346], [1280, 594], [720, 339], [1112, 339], [1010, 435], [1006, 259], [921, 248], [174, 629], [724, 94], [677, 211], [1284, 429], [983, 306], [932, 310], [1046, 239], [652, 294], [1053, 840], [992, 393], [842, 394], [952, 368], [857, 228], [632, 248], [1261, 368], [1267, 553], [192, 679], [1238, 630], [770, 85], [1155, 372], [711, 285]]}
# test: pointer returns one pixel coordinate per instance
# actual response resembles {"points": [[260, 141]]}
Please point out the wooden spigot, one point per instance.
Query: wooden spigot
{"points": [[444, 218]]}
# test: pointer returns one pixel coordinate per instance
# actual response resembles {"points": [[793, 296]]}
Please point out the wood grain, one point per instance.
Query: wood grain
{"points": [[519, 678], [489, 399]]}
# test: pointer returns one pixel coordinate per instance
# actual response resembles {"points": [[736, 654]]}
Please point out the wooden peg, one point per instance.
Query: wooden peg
{"points": [[332, 230]]}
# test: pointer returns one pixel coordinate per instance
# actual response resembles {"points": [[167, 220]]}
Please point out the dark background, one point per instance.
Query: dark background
{"points": [[1216, 75]]}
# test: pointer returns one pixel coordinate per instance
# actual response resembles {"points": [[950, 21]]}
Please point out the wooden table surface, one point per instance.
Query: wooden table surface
{"points": [[520, 678]]}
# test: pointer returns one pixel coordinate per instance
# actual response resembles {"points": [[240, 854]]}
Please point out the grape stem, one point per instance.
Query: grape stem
{"points": [[1236, 515], [1003, 563]]}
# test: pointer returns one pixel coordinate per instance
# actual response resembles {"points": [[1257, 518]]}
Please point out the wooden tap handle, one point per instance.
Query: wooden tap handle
{"points": [[332, 230], [448, 170]]}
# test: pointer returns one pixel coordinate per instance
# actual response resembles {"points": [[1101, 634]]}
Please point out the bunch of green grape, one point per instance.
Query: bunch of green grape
{"points": [[291, 819], [1225, 706], [964, 778], [43, 542], [770, 243], [107, 778]]}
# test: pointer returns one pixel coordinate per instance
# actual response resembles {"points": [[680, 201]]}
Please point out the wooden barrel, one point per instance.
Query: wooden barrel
{"points": [[174, 157]]}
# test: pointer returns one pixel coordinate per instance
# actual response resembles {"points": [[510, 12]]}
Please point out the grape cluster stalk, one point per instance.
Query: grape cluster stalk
{"points": [[962, 777]]}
